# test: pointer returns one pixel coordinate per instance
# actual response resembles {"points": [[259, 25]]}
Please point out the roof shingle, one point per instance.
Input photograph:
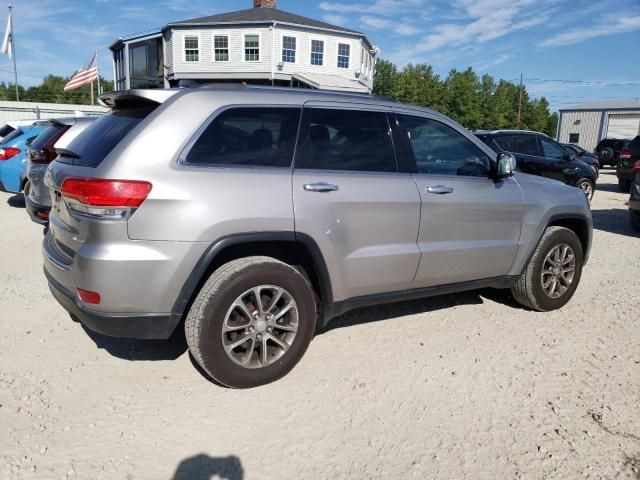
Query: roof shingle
{"points": [[262, 14]]}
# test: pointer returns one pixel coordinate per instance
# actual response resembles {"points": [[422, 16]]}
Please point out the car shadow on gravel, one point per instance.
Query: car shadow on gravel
{"points": [[17, 201], [141, 350], [613, 220], [396, 310], [204, 467], [609, 188]]}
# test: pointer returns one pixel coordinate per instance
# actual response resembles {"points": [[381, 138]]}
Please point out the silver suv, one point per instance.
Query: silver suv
{"points": [[256, 214]]}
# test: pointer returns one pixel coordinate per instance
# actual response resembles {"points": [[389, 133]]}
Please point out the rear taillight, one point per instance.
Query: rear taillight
{"points": [[636, 167], [9, 152], [104, 198], [47, 154], [625, 154]]}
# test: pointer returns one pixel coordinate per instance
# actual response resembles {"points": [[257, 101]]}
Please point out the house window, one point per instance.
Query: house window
{"points": [[191, 48], [344, 50], [574, 137], [317, 52], [252, 48], [289, 49], [221, 48]]}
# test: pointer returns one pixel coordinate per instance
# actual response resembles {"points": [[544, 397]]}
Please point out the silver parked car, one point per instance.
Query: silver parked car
{"points": [[42, 151], [255, 214]]}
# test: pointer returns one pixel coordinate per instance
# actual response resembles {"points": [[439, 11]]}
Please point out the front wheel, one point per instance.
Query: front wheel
{"points": [[251, 322], [587, 186], [553, 273]]}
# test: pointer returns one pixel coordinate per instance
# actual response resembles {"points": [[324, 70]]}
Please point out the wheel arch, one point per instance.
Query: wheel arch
{"points": [[295, 249]]}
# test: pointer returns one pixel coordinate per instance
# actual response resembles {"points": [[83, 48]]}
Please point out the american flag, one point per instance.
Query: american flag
{"points": [[87, 74]]}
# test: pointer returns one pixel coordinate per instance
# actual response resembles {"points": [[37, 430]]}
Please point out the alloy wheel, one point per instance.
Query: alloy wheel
{"points": [[260, 326], [558, 270]]}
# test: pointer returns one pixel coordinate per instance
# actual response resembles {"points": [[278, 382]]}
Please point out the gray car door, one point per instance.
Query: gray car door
{"points": [[470, 224], [349, 197]]}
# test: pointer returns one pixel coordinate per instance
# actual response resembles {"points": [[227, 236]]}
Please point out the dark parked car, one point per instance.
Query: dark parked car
{"points": [[608, 150], [587, 157], [538, 154], [628, 158], [634, 201]]}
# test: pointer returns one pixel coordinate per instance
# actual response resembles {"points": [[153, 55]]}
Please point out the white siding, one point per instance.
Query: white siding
{"points": [[269, 57], [592, 125], [236, 51]]}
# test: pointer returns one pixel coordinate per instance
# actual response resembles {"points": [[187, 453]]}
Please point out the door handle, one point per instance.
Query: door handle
{"points": [[440, 190], [320, 187]]}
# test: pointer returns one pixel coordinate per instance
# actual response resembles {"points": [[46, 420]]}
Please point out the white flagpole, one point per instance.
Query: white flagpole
{"points": [[92, 102], [13, 52], [98, 67]]}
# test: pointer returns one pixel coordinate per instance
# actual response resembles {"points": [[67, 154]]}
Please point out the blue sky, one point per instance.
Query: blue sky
{"points": [[593, 44]]}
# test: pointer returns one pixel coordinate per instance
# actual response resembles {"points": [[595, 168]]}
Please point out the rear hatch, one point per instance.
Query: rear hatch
{"points": [[84, 207]]}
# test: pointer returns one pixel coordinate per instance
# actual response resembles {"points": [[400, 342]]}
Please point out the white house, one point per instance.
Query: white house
{"points": [[261, 45]]}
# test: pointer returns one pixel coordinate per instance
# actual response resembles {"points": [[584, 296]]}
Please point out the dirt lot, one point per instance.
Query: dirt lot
{"points": [[460, 386]]}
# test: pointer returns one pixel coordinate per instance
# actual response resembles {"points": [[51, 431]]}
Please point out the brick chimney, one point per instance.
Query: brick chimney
{"points": [[264, 3]]}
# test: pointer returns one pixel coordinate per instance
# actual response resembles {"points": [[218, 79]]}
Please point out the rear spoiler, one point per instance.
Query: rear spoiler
{"points": [[136, 97]]}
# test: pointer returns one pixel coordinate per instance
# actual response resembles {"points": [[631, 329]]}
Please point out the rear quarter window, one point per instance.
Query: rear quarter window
{"points": [[41, 139], [12, 136], [98, 140], [5, 130]]}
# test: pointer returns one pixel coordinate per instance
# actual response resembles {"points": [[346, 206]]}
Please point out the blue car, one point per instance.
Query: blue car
{"points": [[13, 158]]}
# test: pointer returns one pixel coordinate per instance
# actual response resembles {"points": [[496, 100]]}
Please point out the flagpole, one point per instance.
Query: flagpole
{"points": [[92, 102], [98, 67], [13, 53]]}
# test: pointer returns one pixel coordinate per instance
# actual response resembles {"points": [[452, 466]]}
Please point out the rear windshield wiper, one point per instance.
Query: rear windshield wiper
{"points": [[67, 153]]}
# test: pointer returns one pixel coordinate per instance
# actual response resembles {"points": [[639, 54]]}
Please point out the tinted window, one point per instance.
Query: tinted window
{"points": [[527, 145], [101, 137], [508, 144], [346, 140], [262, 137], [574, 137], [12, 136], [552, 149], [439, 149], [44, 137], [6, 129]]}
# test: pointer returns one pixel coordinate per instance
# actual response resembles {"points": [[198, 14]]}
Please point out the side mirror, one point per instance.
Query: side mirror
{"points": [[568, 157], [506, 165]]}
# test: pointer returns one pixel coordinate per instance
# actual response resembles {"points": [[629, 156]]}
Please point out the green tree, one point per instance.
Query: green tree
{"points": [[464, 101], [385, 78]]}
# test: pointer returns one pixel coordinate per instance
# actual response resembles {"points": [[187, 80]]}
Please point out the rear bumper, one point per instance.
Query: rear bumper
{"points": [[135, 325], [38, 213]]}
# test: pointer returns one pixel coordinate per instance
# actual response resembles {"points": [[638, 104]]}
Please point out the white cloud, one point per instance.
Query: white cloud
{"points": [[378, 7], [479, 21], [375, 22], [334, 19], [493, 62], [614, 24]]}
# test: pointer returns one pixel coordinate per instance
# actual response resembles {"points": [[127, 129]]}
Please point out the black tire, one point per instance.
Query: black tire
{"points": [[585, 183], [528, 289], [624, 186], [204, 323], [634, 219]]}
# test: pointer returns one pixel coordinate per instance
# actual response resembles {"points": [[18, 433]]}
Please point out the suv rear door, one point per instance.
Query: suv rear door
{"points": [[470, 224], [349, 197]]}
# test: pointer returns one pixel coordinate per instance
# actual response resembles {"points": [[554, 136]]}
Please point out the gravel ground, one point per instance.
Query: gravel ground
{"points": [[460, 386]]}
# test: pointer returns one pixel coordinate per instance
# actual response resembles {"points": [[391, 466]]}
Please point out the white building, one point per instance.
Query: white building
{"points": [[261, 45], [588, 123]]}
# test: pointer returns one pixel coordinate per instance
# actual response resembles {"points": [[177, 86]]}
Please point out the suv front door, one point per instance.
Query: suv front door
{"points": [[470, 224], [349, 197]]}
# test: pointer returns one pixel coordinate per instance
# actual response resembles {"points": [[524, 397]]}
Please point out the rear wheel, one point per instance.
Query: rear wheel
{"points": [[587, 187], [251, 322], [624, 185], [634, 218], [553, 273]]}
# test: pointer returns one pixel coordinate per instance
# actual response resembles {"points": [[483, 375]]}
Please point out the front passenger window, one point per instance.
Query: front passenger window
{"points": [[552, 150], [440, 150]]}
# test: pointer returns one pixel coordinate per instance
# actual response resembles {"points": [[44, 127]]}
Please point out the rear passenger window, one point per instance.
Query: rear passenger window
{"points": [[260, 137], [440, 150], [346, 140]]}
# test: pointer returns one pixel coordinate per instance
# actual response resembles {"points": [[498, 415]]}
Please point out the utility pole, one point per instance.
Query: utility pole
{"points": [[520, 102]]}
